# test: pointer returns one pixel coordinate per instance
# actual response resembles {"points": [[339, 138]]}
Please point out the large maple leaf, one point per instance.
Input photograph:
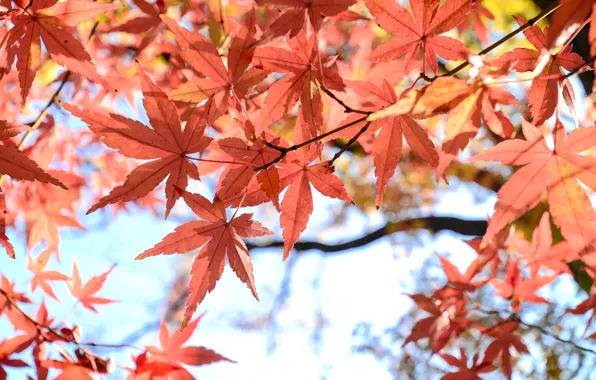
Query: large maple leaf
{"points": [[420, 30], [544, 93], [51, 22], [218, 238], [555, 171], [226, 85], [304, 67], [167, 144]]}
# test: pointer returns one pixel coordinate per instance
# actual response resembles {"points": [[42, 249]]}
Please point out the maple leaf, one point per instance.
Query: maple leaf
{"points": [[3, 238], [505, 338], [254, 154], [555, 171], [45, 208], [15, 163], [218, 238], [585, 306], [297, 204], [518, 289], [448, 317], [387, 146], [544, 93], [566, 19], [540, 252], [147, 368], [50, 22], [465, 372], [462, 281], [7, 348], [166, 143], [293, 20], [420, 30], [467, 105], [83, 365], [225, 85], [304, 67], [169, 357], [86, 293], [41, 276], [476, 22], [151, 25], [8, 287]]}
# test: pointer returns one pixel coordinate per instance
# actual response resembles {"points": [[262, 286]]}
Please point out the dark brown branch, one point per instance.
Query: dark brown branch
{"points": [[433, 224]]}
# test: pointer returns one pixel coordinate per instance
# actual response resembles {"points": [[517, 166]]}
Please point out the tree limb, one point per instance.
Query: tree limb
{"points": [[433, 224]]}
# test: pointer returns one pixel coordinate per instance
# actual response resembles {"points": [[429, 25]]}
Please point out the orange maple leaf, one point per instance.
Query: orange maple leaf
{"points": [[50, 21], [420, 30], [218, 238], [167, 144], [555, 171]]}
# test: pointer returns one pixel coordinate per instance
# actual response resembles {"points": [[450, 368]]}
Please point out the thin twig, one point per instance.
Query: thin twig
{"points": [[285, 151], [507, 37]]}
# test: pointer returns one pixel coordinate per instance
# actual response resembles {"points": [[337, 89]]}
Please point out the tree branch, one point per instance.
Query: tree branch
{"points": [[433, 224]]}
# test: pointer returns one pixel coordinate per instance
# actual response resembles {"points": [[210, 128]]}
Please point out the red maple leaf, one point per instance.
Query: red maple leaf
{"points": [[505, 338], [83, 365], [294, 19], [167, 360], [167, 144], [518, 289], [227, 86], [465, 372], [218, 238], [305, 66], [448, 317], [251, 154], [420, 30], [86, 293], [298, 175], [3, 238], [51, 22], [544, 93], [462, 281], [7, 348], [555, 171], [387, 146], [151, 25], [8, 287], [541, 253]]}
